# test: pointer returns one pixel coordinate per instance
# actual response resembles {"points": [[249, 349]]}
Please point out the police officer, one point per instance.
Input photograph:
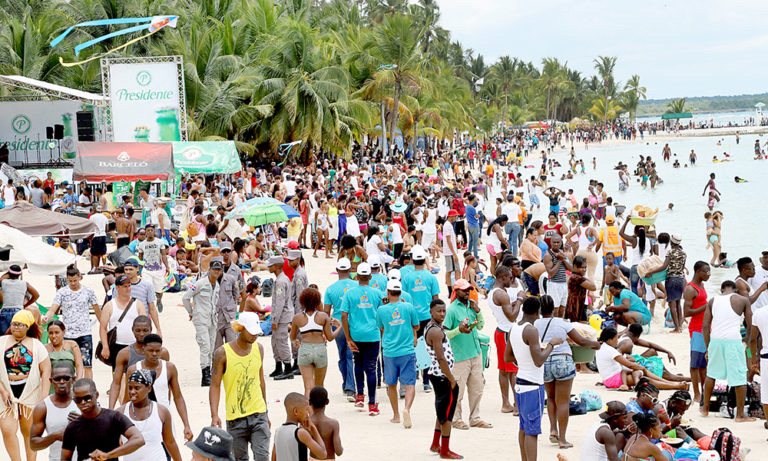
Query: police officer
{"points": [[282, 314], [228, 302], [203, 317], [300, 282]]}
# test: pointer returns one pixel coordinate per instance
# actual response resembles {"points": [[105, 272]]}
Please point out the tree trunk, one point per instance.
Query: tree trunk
{"points": [[395, 110], [383, 131], [547, 114]]}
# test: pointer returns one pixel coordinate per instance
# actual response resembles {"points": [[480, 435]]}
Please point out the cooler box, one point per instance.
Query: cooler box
{"points": [[485, 345], [582, 354]]}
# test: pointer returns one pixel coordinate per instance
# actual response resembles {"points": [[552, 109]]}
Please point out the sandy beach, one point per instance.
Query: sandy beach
{"points": [[367, 437]]}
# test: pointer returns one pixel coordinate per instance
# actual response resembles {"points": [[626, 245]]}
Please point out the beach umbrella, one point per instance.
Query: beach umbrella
{"points": [[263, 210]]}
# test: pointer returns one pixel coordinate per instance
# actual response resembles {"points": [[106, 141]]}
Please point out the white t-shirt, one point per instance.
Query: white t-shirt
{"points": [[101, 222], [760, 320], [9, 195], [512, 210], [606, 364], [372, 245], [448, 230], [290, 188], [761, 275]]}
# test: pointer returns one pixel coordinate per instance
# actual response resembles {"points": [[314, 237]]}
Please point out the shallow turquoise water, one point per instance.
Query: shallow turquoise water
{"points": [[743, 227]]}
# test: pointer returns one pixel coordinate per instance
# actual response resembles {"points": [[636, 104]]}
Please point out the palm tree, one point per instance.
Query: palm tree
{"points": [[600, 110], [604, 65], [676, 106], [397, 47], [503, 73], [633, 93]]}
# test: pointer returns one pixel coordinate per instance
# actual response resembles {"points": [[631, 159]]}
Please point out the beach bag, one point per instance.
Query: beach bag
{"points": [[266, 288], [668, 323], [687, 453], [192, 230], [727, 445], [592, 399], [577, 406], [112, 337]]}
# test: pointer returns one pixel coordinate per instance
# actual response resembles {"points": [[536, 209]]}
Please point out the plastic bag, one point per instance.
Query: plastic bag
{"points": [[592, 399]]}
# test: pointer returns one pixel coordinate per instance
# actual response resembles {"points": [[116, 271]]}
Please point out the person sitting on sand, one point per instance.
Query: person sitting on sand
{"points": [[639, 446], [672, 419], [628, 308], [648, 358], [605, 440]]}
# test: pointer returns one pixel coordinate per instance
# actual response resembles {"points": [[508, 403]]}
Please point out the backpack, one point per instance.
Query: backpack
{"points": [[752, 402], [577, 406], [727, 445]]}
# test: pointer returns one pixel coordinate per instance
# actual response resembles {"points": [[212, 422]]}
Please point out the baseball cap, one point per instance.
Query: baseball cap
{"points": [[394, 274], [293, 255], [293, 245], [251, 322], [275, 260], [217, 263], [364, 269], [133, 261], [225, 246], [461, 284], [394, 285], [122, 279], [418, 253], [344, 264], [613, 408], [374, 261], [69, 186], [213, 443], [610, 218], [452, 213]]}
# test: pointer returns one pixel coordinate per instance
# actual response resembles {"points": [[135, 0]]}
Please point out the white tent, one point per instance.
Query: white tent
{"points": [[39, 257]]}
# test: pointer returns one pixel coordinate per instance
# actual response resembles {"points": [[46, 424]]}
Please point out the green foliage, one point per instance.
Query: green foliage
{"points": [[266, 72]]}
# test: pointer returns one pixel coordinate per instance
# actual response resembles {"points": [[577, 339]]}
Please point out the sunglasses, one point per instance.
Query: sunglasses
{"points": [[85, 398], [654, 400], [61, 379]]}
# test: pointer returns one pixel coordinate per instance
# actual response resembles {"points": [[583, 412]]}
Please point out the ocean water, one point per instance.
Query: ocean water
{"points": [[743, 230], [716, 118]]}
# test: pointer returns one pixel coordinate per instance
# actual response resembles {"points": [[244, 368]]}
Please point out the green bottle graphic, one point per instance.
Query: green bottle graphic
{"points": [[168, 123], [141, 134], [68, 148]]}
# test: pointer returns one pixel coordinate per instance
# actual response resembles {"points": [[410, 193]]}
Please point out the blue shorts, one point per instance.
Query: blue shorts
{"points": [[534, 199], [403, 367], [6, 315], [559, 368], [698, 350], [531, 284], [554, 209], [727, 361], [530, 402]]}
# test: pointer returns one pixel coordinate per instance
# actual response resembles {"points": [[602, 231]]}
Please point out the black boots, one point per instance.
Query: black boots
{"points": [[206, 381], [296, 371], [286, 374], [278, 370]]}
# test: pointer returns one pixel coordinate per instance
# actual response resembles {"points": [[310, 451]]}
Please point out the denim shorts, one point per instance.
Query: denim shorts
{"points": [[402, 368], [559, 368], [6, 315], [85, 343]]}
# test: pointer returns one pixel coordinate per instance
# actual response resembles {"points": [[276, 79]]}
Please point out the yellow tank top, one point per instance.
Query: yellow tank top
{"points": [[242, 383]]}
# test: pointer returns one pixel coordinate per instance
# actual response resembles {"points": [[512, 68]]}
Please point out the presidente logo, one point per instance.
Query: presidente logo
{"points": [[143, 78], [21, 124], [192, 153]]}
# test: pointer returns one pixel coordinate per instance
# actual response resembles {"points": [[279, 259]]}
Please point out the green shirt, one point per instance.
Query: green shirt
{"points": [[465, 346]]}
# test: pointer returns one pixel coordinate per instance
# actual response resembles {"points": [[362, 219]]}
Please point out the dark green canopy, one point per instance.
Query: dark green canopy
{"points": [[676, 116]]}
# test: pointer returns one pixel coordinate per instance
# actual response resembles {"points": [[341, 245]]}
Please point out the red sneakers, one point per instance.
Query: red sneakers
{"points": [[373, 409], [359, 400]]}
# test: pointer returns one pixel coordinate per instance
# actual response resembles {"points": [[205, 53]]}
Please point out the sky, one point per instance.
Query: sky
{"points": [[678, 47]]}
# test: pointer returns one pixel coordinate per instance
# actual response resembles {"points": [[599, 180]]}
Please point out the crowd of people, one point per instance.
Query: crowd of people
{"points": [[407, 239]]}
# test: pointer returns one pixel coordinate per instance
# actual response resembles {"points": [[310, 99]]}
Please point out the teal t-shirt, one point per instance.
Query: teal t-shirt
{"points": [[335, 293], [635, 303], [379, 281], [397, 320], [422, 286], [361, 304]]}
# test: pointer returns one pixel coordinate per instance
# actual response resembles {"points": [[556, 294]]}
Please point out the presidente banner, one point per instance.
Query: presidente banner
{"points": [[23, 128], [145, 101]]}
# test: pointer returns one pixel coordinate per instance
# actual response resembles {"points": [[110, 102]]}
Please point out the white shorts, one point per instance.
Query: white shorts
{"points": [[156, 277], [427, 240], [558, 291], [764, 381]]}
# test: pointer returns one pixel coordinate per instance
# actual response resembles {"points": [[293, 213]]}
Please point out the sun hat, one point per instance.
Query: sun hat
{"points": [[213, 443], [398, 207], [676, 238]]}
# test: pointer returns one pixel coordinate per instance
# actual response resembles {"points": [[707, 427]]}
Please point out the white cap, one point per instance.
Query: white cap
{"points": [[343, 264], [364, 269], [394, 285], [374, 261], [251, 322], [394, 274], [418, 253]]}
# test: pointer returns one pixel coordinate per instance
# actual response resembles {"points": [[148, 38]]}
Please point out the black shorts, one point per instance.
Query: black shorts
{"points": [[85, 343], [123, 241], [99, 246], [446, 398]]}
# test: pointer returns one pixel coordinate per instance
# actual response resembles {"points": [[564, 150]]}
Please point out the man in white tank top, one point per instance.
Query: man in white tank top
{"points": [[601, 443], [53, 414], [505, 309], [166, 379], [722, 334], [524, 348]]}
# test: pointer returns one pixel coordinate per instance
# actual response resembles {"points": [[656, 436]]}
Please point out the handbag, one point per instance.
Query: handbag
{"points": [[112, 337]]}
